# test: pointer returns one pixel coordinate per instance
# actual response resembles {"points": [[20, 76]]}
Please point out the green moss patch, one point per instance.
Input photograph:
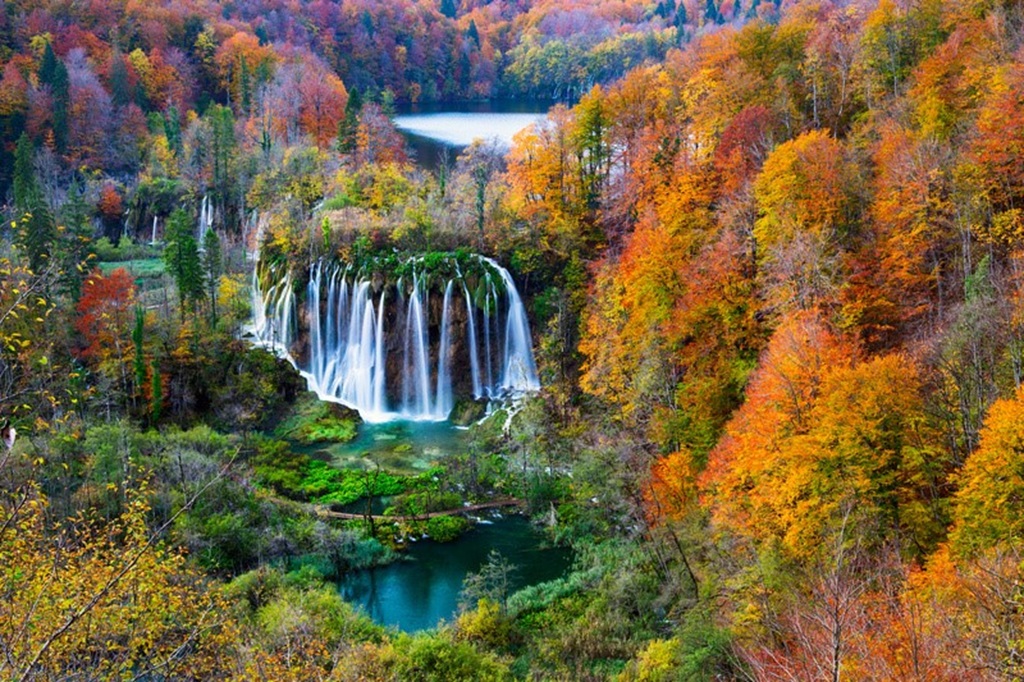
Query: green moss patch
{"points": [[314, 421]]}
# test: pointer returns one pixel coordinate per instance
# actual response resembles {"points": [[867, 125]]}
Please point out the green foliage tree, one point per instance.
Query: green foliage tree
{"points": [[156, 399], [349, 126], [76, 242], [53, 73], [172, 128], [223, 151], [26, 188], [213, 267], [181, 256], [120, 84], [139, 362], [36, 229], [493, 582]]}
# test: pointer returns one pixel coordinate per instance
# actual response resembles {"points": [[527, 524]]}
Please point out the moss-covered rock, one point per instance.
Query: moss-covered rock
{"points": [[315, 421], [467, 412]]}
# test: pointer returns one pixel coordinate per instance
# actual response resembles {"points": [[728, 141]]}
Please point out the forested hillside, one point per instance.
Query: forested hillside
{"points": [[773, 258]]}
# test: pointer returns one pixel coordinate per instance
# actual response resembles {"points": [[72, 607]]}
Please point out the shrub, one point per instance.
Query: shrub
{"points": [[446, 528]]}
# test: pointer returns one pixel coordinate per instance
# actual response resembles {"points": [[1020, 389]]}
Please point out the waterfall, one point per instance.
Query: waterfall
{"points": [[349, 319], [520, 371], [205, 219], [273, 312], [379, 401], [152, 240], [474, 362], [416, 377], [444, 403]]}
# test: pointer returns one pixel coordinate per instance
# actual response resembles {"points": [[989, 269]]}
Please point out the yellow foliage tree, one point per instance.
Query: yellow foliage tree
{"points": [[107, 600], [989, 508], [804, 204]]}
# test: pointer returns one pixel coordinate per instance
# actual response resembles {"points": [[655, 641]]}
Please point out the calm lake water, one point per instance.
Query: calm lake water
{"points": [[418, 594], [437, 131], [405, 447]]}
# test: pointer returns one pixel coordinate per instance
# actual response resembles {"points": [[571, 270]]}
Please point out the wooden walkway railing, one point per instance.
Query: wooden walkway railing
{"points": [[495, 504]]}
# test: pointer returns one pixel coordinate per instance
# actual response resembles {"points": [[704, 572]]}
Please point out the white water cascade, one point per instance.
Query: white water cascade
{"points": [[384, 350], [205, 220]]}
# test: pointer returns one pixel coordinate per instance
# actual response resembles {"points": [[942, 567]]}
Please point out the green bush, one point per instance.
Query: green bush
{"points": [[446, 528], [417, 503], [277, 467], [435, 658], [326, 485]]}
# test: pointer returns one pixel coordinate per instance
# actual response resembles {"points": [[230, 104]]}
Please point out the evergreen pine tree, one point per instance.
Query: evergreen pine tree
{"points": [[172, 129], [37, 235], [181, 256], [711, 15], [61, 101], [156, 398], [26, 189], [36, 229], [473, 34], [448, 8], [681, 17], [48, 65], [212, 269], [139, 363], [350, 124], [75, 216], [222, 123], [120, 85], [54, 74]]}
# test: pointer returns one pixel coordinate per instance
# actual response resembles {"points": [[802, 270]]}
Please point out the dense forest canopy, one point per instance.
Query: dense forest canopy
{"points": [[773, 257]]}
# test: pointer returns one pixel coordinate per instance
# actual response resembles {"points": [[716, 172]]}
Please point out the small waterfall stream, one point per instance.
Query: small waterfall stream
{"points": [[386, 350], [205, 220]]}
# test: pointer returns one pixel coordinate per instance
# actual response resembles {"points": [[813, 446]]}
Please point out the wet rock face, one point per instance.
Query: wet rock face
{"points": [[411, 341]]}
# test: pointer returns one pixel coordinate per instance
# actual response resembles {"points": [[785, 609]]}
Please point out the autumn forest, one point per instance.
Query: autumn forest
{"points": [[770, 262]]}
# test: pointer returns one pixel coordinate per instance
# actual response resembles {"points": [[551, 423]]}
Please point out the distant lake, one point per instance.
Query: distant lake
{"points": [[436, 130]]}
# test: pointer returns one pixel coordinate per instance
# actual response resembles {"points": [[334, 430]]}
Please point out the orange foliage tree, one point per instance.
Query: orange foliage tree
{"points": [[820, 432], [322, 100]]}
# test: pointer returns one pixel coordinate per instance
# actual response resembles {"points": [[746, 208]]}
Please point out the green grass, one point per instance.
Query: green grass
{"points": [[149, 267]]}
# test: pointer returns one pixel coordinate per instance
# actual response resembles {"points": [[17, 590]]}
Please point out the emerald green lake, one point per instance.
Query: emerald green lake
{"points": [[419, 593]]}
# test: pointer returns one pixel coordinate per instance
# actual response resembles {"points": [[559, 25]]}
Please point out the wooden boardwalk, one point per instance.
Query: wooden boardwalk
{"points": [[495, 504]]}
